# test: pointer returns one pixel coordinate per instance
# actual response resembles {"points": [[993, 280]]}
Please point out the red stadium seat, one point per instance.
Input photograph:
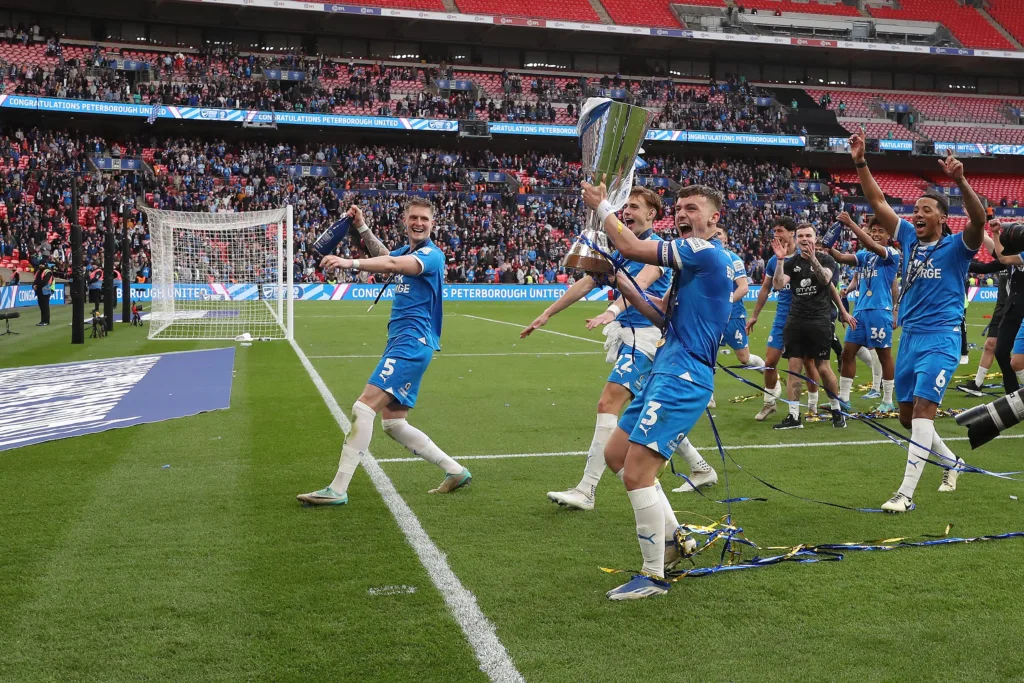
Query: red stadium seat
{"points": [[568, 10], [969, 27], [645, 12], [427, 5], [1009, 15]]}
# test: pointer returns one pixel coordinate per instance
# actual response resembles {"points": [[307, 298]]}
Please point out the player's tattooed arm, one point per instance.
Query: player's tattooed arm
{"points": [[373, 246], [823, 274]]}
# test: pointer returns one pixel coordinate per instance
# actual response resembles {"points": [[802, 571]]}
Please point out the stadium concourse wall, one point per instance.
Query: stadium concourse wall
{"points": [[240, 116], [24, 296]]}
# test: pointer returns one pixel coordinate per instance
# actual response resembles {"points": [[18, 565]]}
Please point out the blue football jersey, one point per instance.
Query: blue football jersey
{"points": [[700, 310], [416, 310], [632, 317], [738, 271], [877, 274], [933, 281], [785, 296]]}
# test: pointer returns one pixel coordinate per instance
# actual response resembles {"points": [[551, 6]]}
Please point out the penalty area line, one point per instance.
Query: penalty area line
{"points": [[741, 447], [505, 322], [480, 632]]}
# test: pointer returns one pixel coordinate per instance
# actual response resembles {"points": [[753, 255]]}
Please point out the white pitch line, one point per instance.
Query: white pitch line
{"points": [[560, 334], [742, 447], [477, 355], [491, 653]]}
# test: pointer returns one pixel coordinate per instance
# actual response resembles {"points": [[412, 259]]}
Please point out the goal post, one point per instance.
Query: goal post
{"points": [[221, 275]]}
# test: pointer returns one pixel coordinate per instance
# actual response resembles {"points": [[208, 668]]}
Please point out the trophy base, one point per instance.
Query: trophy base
{"points": [[589, 264]]}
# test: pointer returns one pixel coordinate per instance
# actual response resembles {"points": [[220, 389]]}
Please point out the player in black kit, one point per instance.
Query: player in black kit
{"points": [[809, 326]]}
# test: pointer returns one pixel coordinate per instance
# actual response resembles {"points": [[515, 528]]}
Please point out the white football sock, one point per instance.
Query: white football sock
{"points": [[887, 385], [845, 384], [671, 523], [864, 356], [621, 474], [1020, 376], [794, 409], [876, 371], [940, 447], [595, 456], [419, 444], [922, 432], [812, 401], [979, 377], [650, 528], [756, 361], [692, 457], [834, 403], [772, 393], [357, 442]]}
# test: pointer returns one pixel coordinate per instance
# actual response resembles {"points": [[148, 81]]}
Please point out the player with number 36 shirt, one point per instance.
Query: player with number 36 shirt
{"points": [[935, 263]]}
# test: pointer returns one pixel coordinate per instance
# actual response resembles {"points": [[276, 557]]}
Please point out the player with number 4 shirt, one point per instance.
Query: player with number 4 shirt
{"points": [[931, 304]]}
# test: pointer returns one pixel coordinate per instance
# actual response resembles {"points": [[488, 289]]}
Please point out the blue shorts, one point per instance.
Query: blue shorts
{"points": [[735, 334], [1018, 342], [662, 416], [631, 370], [925, 365], [775, 339], [401, 369], [874, 329]]}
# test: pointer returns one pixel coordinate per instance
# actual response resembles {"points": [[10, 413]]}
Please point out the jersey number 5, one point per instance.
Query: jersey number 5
{"points": [[389, 368]]}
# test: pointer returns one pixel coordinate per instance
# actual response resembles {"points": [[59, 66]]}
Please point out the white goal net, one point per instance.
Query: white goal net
{"points": [[221, 275]]}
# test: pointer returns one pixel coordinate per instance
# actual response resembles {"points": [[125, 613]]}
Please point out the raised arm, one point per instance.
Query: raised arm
{"points": [[840, 257], [373, 246], [975, 230], [863, 237], [872, 192], [577, 291]]}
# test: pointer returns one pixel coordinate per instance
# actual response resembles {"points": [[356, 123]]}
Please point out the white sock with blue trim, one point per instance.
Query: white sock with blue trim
{"points": [[419, 444], [887, 385], [595, 455], [692, 457], [670, 515], [845, 385], [756, 362], [922, 432], [356, 443], [650, 528], [940, 447]]}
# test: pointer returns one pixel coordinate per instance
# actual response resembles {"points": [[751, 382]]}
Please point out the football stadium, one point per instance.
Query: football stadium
{"points": [[404, 340]]}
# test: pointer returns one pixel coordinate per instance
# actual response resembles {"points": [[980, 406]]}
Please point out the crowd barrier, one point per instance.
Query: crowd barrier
{"points": [[22, 295]]}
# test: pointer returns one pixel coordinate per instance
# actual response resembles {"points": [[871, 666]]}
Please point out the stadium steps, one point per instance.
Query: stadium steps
{"points": [[997, 26], [601, 12]]}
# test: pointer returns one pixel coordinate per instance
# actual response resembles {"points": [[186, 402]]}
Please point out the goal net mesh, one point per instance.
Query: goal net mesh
{"points": [[220, 275]]}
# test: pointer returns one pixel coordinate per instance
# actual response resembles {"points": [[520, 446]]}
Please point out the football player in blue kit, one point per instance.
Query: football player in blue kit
{"points": [[784, 230], [878, 263], [931, 312], [735, 336], [674, 397], [414, 334], [631, 340]]}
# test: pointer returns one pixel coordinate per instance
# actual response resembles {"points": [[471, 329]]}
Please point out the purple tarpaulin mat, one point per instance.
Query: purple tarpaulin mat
{"points": [[46, 402]]}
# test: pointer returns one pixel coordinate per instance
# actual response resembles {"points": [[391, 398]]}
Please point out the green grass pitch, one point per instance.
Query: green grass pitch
{"points": [[115, 569]]}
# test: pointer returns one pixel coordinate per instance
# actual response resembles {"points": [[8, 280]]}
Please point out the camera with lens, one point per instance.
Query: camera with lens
{"points": [[986, 422]]}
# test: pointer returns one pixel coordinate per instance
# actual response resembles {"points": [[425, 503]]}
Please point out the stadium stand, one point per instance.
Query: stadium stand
{"points": [[427, 5], [644, 12], [978, 135], [965, 23], [808, 7], [569, 10], [1008, 14]]}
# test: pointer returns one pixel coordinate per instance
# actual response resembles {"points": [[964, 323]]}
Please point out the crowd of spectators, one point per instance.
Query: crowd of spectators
{"points": [[514, 231]]}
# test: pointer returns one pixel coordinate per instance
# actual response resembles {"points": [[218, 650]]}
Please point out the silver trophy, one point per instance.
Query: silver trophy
{"points": [[610, 135]]}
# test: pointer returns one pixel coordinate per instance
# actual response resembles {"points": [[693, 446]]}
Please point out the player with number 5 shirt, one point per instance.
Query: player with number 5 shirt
{"points": [[416, 271]]}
